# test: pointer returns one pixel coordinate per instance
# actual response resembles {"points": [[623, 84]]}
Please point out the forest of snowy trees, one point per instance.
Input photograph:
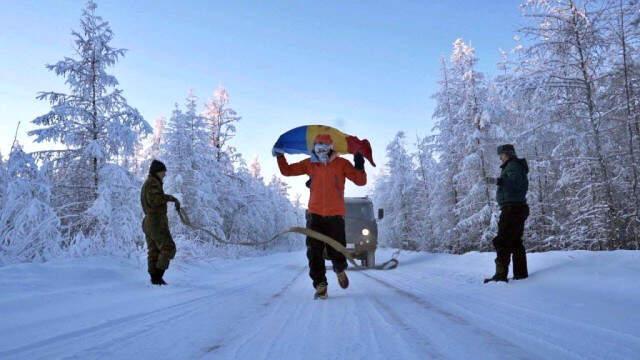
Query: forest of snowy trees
{"points": [[568, 97], [82, 198]]}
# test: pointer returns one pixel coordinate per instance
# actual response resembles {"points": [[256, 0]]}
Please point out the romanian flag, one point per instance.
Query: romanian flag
{"points": [[300, 141]]}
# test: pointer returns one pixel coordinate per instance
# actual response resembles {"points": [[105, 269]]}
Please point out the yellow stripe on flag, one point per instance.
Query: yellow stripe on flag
{"points": [[339, 138]]}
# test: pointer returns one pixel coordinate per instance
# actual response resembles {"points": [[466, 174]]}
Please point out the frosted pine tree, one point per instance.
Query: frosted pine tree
{"points": [[116, 215], [622, 96], [252, 215], [427, 177], [255, 169], [396, 193], [446, 148], [532, 125], [284, 214], [153, 149], [29, 228], [93, 121], [263, 210], [222, 119], [4, 177], [475, 143], [569, 103], [569, 48], [193, 173]]}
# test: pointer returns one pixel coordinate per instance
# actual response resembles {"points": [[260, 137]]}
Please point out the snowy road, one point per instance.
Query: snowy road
{"points": [[576, 305]]}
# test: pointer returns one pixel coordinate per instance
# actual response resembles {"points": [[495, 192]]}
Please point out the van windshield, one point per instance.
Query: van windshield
{"points": [[362, 211]]}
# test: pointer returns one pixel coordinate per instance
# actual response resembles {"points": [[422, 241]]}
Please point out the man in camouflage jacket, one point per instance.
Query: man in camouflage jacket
{"points": [[160, 246]]}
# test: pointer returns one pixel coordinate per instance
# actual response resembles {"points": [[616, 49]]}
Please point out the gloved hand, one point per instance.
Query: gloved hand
{"points": [[177, 204], [358, 161], [171, 198], [308, 183]]}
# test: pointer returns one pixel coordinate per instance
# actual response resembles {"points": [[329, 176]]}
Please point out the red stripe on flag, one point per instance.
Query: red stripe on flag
{"points": [[355, 145]]}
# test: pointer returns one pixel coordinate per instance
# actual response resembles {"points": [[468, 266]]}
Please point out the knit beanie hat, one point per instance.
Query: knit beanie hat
{"points": [[507, 149], [156, 167]]}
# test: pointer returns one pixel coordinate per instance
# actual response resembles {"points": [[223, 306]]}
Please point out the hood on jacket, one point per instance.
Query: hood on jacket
{"points": [[522, 162], [525, 166], [327, 142]]}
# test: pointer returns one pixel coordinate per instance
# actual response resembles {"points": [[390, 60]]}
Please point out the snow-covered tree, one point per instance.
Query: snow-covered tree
{"points": [[425, 201], [396, 193], [93, 121], [255, 169], [532, 126], [567, 97], [153, 149], [231, 201], [476, 139], [446, 148], [29, 227], [622, 95], [116, 215], [222, 119], [467, 133], [569, 47], [194, 175], [4, 178]]}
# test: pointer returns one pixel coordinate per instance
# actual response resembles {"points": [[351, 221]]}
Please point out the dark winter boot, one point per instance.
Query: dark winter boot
{"points": [[520, 270], [501, 274], [160, 279], [343, 280], [321, 291], [155, 279]]}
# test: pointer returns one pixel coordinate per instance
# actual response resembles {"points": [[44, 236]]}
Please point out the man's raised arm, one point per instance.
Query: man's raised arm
{"points": [[356, 173], [296, 169]]}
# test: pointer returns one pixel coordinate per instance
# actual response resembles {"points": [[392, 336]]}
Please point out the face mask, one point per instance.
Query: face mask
{"points": [[322, 151]]}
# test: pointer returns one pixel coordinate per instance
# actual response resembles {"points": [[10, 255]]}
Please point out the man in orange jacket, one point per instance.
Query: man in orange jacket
{"points": [[326, 209]]}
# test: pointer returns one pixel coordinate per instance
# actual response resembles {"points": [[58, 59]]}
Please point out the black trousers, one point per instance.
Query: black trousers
{"points": [[332, 226], [509, 242]]}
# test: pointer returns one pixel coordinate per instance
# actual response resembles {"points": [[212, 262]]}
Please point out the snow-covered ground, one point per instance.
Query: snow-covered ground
{"points": [[576, 305]]}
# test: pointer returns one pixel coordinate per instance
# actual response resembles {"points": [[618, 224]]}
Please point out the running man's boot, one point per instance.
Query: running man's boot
{"points": [[343, 280], [321, 291]]}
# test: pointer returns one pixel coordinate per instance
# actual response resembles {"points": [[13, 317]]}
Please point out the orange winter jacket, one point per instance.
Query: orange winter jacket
{"points": [[327, 182]]}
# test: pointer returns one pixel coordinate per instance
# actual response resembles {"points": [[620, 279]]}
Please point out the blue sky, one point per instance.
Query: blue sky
{"points": [[367, 67]]}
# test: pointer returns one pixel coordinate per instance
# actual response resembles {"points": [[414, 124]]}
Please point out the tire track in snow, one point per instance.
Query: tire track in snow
{"points": [[107, 326], [226, 297], [145, 320], [511, 350], [284, 289], [272, 299], [518, 321], [415, 336], [290, 328], [352, 325]]}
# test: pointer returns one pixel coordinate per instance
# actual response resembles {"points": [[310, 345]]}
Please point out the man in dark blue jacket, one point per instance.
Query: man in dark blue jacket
{"points": [[511, 196]]}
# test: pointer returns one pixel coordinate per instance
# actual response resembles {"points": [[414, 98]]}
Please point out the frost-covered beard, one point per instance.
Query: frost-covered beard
{"points": [[322, 152]]}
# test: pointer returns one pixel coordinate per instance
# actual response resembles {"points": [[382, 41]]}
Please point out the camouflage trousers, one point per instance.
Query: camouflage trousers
{"points": [[160, 246]]}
